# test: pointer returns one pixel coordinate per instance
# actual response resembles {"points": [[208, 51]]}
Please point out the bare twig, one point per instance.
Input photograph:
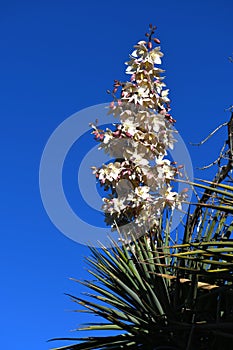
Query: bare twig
{"points": [[209, 136], [217, 161], [220, 176], [229, 109]]}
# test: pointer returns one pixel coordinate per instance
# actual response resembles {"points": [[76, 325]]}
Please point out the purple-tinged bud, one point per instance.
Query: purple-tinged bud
{"points": [[149, 45], [116, 133], [185, 190], [132, 77], [163, 111], [156, 40]]}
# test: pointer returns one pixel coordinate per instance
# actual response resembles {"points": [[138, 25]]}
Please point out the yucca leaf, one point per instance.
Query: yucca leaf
{"points": [[205, 243], [98, 342], [213, 186], [100, 327], [227, 187]]}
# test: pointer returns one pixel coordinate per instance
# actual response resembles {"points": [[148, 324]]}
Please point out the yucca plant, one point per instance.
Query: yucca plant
{"points": [[156, 290], [165, 297]]}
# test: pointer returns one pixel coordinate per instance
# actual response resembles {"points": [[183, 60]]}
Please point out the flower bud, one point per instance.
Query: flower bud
{"points": [[185, 190], [163, 111], [116, 133], [156, 40], [132, 77], [149, 45]]}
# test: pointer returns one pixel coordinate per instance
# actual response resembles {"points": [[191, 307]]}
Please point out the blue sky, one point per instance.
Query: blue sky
{"points": [[58, 57]]}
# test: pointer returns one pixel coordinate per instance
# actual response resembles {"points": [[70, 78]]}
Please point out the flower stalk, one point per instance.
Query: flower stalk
{"points": [[140, 178]]}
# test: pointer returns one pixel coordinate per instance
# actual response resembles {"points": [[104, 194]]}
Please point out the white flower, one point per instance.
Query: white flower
{"points": [[164, 168], [143, 192], [136, 157], [143, 91], [164, 94], [167, 197], [155, 55], [109, 172], [118, 204], [107, 138], [130, 127]]}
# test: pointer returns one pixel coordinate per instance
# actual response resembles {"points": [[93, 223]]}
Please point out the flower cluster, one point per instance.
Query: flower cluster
{"points": [[139, 180]]}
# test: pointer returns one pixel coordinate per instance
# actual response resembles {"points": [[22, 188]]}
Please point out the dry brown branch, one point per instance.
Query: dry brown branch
{"points": [[217, 161], [209, 136], [220, 176]]}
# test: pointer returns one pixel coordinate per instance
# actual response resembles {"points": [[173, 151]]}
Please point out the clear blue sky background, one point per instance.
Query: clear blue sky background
{"points": [[58, 57]]}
